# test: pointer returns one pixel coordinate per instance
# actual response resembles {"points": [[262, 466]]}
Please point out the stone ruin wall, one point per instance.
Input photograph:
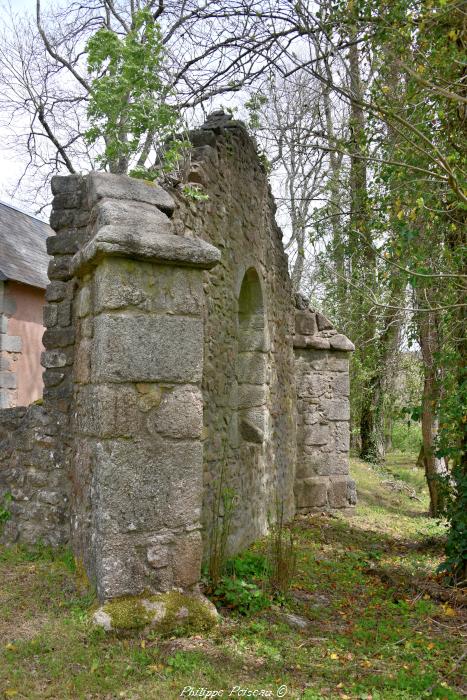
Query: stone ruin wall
{"points": [[145, 329], [248, 378], [35, 456]]}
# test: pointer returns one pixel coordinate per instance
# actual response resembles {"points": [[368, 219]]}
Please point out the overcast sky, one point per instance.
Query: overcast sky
{"points": [[10, 168]]}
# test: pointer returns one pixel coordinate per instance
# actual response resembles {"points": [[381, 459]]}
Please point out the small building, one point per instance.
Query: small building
{"points": [[23, 279]]}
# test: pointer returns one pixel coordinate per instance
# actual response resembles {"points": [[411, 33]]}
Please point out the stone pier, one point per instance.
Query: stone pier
{"points": [[322, 478]]}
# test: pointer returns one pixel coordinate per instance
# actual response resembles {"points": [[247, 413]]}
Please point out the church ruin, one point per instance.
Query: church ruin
{"points": [[177, 364]]}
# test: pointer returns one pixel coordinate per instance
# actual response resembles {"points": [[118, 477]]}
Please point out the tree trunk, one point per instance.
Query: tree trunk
{"points": [[435, 467], [372, 423]]}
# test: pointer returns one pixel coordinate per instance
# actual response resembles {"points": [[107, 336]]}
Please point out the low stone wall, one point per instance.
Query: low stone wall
{"points": [[32, 478]]}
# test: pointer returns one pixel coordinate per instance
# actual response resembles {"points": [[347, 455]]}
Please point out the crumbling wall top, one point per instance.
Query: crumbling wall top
{"points": [[316, 332]]}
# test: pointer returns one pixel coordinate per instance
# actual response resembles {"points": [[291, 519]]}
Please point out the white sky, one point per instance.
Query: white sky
{"points": [[10, 167]]}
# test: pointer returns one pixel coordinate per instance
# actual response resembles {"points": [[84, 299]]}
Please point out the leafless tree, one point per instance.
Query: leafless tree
{"points": [[212, 48]]}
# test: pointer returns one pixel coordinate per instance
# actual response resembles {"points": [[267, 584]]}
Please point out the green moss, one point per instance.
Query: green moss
{"points": [[83, 584], [127, 613], [200, 617], [168, 614]]}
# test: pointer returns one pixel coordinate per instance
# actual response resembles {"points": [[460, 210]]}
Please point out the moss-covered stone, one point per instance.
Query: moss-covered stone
{"points": [[167, 613], [83, 584]]}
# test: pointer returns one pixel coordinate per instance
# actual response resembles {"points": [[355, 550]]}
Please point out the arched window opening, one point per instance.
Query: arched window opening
{"points": [[251, 360]]}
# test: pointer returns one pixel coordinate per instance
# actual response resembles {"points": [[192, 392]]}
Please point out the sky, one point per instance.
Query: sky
{"points": [[10, 167]]}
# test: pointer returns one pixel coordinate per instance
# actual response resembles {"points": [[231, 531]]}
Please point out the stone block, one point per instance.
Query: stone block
{"points": [[313, 342], [252, 367], [187, 554], [12, 343], [336, 409], [62, 391], [307, 360], [65, 242], [3, 323], [341, 385], [132, 215], [311, 492], [53, 377], [108, 411], [179, 414], [54, 498], [147, 348], [341, 342], [342, 436], [252, 425], [252, 340], [198, 175], [58, 338], [334, 464], [324, 323], [322, 463], [68, 200], [59, 268], [7, 380], [305, 323], [338, 361], [250, 395], [82, 364], [50, 315], [152, 288], [203, 137], [145, 243], [66, 184], [68, 218], [56, 291], [208, 154], [168, 613], [85, 327], [57, 358], [106, 185], [83, 301], [318, 434], [342, 493], [313, 385], [142, 486], [64, 314], [158, 551]]}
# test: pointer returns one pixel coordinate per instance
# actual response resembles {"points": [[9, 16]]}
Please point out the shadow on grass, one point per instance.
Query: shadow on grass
{"points": [[386, 501], [340, 532]]}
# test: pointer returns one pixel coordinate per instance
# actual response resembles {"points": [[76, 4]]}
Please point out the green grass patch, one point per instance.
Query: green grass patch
{"points": [[370, 633]]}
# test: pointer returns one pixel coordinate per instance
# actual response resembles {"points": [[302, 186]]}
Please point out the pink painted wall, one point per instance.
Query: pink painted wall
{"points": [[28, 324]]}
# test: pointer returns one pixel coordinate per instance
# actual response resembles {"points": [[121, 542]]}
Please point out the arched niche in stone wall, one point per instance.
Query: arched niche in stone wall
{"points": [[252, 360]]}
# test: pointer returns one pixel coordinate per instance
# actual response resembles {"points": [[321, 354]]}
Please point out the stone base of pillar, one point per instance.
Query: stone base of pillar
{"points": [[318, 493], [164, 613]]}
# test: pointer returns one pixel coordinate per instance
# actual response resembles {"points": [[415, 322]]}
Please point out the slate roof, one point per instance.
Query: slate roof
{"points": [[23, 255]]}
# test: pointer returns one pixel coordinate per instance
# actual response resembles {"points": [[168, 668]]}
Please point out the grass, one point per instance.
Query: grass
{"points": [[371, 634]]}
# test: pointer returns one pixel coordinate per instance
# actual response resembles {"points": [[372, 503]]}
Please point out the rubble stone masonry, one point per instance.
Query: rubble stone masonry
{"points": [[178, 368]]}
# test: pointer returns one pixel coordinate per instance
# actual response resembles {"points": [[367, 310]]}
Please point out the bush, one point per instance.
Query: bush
{"points": [[406, 436], [243, 596]]}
